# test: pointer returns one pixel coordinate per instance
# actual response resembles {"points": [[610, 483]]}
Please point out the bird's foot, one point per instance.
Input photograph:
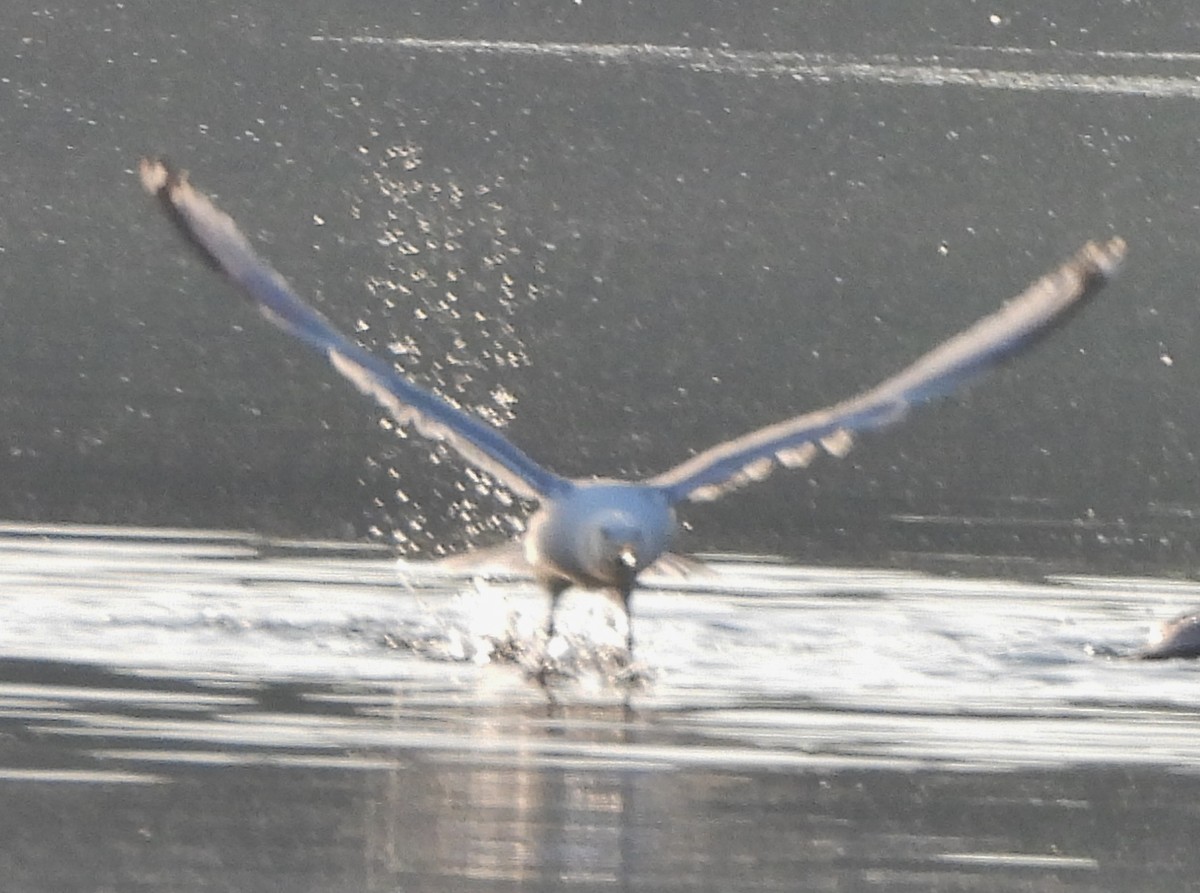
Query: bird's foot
{"points": [[634, 675], [555, 662], [568, 657]]}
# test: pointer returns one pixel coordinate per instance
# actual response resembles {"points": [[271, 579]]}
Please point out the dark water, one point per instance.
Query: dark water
{"points": [[624, 234], [192, 712]]}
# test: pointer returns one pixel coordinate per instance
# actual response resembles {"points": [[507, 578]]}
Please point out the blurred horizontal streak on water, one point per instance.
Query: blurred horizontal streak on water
{"points": [[919, 71]]}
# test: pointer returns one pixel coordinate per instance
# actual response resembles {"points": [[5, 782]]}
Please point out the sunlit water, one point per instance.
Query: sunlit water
{"points": [[754, 661], [212, 700]]}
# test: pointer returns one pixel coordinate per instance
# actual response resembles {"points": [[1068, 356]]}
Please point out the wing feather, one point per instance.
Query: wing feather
{"points": [[221, 242], [797, 441]]}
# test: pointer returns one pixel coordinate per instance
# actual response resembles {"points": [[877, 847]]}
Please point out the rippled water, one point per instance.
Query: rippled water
{"points": [[200, 709]]}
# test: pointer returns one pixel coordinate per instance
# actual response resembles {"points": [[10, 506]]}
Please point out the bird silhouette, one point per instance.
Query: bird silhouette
{"points": [[602, 533]]}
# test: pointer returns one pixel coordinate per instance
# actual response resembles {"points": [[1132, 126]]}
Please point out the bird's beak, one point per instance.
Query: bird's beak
{"points": [[628, 558]]}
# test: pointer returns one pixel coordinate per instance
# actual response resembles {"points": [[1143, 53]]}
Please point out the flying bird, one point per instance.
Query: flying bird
{"points": [[602, 533]]}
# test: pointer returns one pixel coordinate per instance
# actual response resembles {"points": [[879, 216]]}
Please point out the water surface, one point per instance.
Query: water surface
{"points": [[206, 711]]}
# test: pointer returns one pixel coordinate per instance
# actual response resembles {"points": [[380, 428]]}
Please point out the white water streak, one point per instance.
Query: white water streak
{"points": [[822, 67]]}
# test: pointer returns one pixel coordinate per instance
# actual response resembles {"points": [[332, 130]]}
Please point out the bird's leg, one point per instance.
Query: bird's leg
{"points": [[626, 592], [548, 668], [556, 587]]}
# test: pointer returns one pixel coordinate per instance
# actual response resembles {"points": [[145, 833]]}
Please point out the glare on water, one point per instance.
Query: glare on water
{"points": [[200, 697], [766, 662]]}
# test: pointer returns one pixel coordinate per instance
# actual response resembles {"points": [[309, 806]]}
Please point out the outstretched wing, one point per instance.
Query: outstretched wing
{"points": [[218, 238], [796, 441]]}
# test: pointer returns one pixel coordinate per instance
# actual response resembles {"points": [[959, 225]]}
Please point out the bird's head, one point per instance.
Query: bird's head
{"points": [[617, 549], [601, 534]]}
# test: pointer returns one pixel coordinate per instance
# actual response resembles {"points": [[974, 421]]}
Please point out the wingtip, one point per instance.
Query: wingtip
{"points": [[155, 174], [189, 211], [1103, 258], [161, 178]]}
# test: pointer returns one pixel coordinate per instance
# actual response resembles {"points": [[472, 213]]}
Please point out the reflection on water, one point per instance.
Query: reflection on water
{"points": [[216, 707]]}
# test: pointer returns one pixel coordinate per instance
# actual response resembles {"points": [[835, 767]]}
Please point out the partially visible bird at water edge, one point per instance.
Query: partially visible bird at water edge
{"points": [[602, 533]]}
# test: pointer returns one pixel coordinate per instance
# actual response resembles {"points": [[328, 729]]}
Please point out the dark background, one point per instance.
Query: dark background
{"points": [[647, 251]]}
